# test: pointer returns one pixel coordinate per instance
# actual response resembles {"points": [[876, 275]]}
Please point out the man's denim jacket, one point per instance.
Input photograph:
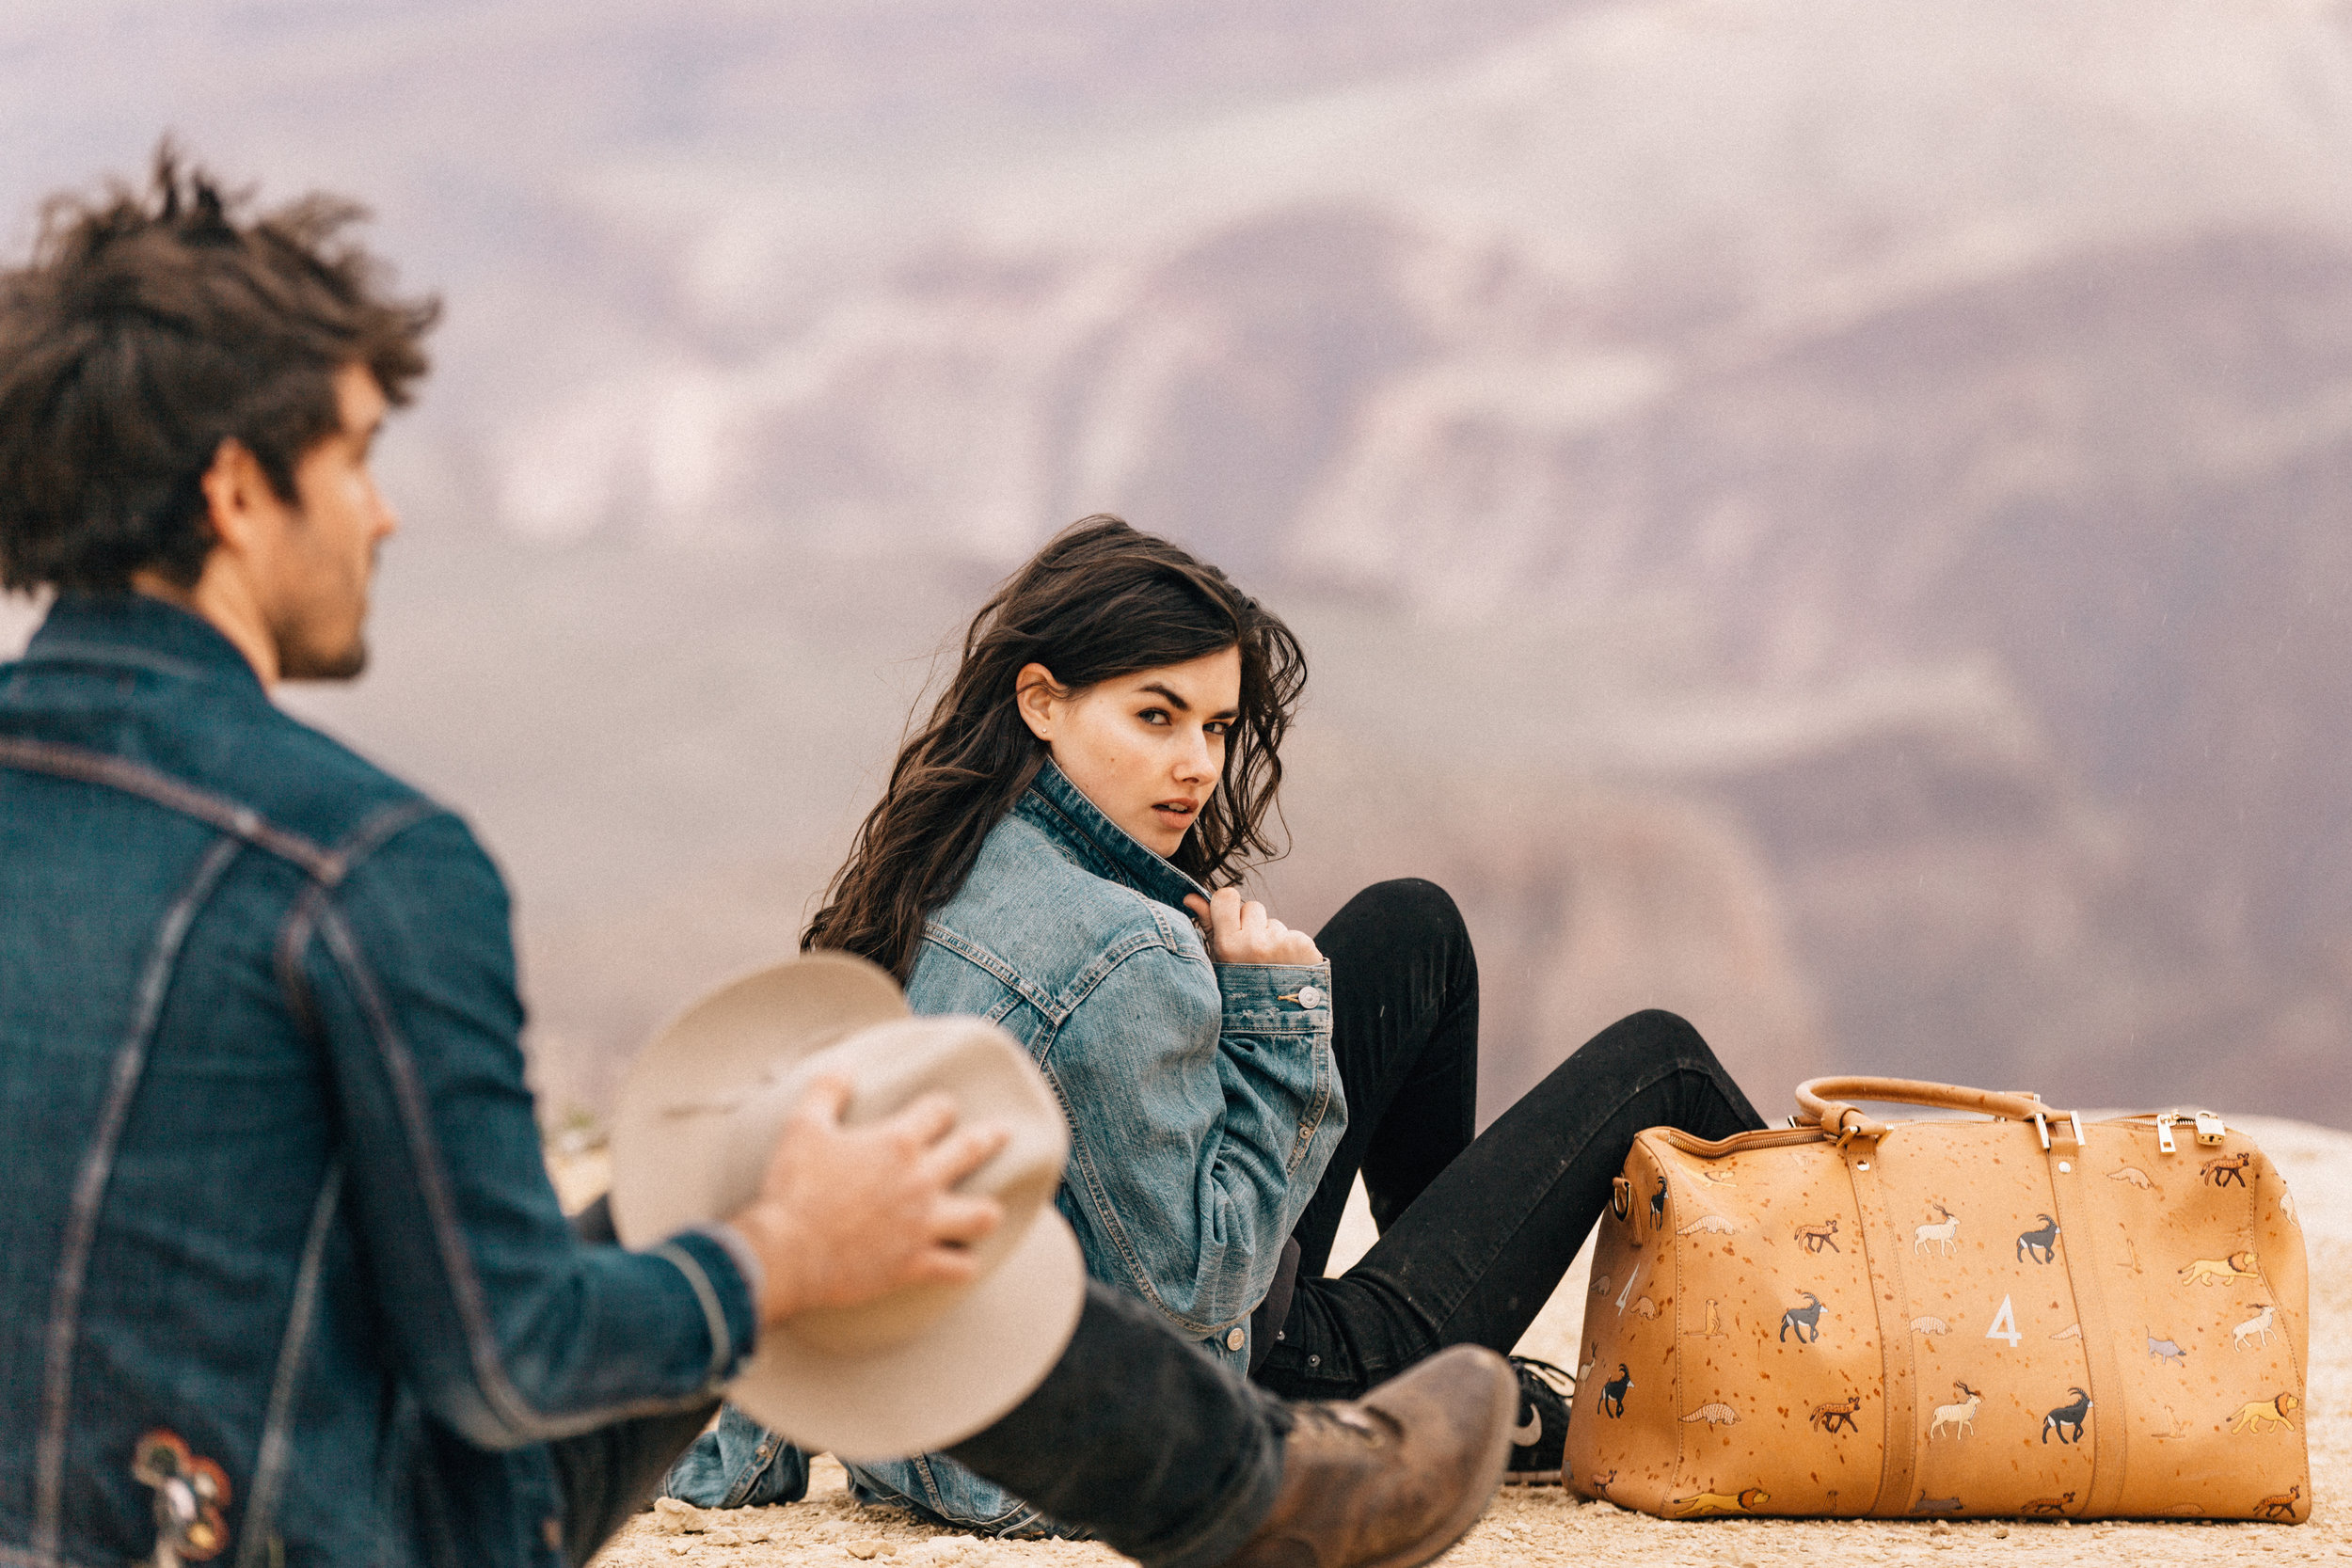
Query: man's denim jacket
{"points": [[1202, 1099], [272, 1181]]}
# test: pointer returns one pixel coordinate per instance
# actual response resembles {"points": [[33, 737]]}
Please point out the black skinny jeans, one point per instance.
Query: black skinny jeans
{"points": [[1475, 1232]]}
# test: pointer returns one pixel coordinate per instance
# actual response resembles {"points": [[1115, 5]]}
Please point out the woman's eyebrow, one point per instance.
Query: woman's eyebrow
{"points": [[1182, 706]]}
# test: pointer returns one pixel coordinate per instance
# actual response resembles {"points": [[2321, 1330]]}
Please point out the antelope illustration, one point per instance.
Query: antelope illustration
{"points": [[2208, 1270], [1600, 1484], [1961, 1418], [2137, 1177], [2261, 1417], [1816, 1237], [1836, 1415], [1806, 1320], [1723, 1502], [1613, 1393], [2228, 1169], [2048, 1508], [1930, 1325], [1707, 1224], [2068, 1416], [2165, 1350], [2281, 1505], [1658, 1205], [2256, 1328], [1713, 1414], [1944, 1232], [2041, 1246]]}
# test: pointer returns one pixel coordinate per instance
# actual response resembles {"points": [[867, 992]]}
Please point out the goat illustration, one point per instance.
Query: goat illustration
{"points": [[1944, 1232], [2068, 1416], [2261, 1417], [1613, 1393], [2208, 1270], [1815, 1237], [2041, 1246], [1707, 1224], [2229, 1168], [1713, 1414], [1722, 1502], [1961, 1418], [2166, 1350], [1806, 1320], [1658, 1205], [2281, 1505], [2137, 1177], [2256, 1328], [1935, 1505], [2048, 1508], [1930, 1325], [1836, 1415]]}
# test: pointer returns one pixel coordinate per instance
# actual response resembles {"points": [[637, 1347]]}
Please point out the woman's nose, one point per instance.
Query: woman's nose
{"points": [[1195, 763]]}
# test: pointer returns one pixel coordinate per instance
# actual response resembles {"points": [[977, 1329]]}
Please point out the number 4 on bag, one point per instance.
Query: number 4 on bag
{"points": [[2005, 1325]]}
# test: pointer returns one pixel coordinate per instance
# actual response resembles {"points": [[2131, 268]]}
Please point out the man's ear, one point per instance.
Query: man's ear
{"points": [[237, 494], [1035, 695]]}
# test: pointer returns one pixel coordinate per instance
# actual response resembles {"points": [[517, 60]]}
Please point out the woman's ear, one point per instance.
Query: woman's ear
{"points": [[1036, 697]]}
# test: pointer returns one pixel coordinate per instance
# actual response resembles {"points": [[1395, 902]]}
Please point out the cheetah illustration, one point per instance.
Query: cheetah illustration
{"points": [[1707, 1504], [2261, 1418]]}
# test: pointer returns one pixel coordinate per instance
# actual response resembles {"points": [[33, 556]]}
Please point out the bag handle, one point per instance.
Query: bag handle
{"points": [[1825, 1102]]}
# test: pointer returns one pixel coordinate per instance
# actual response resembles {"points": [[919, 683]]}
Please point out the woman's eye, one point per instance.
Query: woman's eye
{"points": [[1216, 727], [1154, 715]]}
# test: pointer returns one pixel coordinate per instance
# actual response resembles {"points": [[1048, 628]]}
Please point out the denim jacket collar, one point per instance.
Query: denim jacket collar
{"points": [[1058, 807], [140, 631]]}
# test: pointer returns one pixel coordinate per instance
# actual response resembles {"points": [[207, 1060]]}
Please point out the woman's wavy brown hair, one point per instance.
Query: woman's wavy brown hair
{"points": [[1100, 601]]}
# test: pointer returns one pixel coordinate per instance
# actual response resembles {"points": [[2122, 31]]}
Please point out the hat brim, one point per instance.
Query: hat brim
{"points": [[981, 1358]]}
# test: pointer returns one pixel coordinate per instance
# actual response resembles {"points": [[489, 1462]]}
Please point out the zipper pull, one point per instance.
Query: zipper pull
{"points": [[2164, 1131]]}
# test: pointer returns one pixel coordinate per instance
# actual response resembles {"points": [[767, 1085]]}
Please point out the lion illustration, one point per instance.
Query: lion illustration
{"points": [[1718, 1502], [2208, 1270], [2261, 1418]]}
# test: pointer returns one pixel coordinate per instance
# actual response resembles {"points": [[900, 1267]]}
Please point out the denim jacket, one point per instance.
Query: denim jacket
{"points": [[1202, 1100], [273, 1183]]}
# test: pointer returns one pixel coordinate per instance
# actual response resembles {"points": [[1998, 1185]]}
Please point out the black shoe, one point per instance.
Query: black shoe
{"points": [[1542, 1433]]}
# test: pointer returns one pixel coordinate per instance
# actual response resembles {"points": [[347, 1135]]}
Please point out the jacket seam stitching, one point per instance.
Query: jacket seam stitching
{"points": [[705, 1296], [96, 768]]}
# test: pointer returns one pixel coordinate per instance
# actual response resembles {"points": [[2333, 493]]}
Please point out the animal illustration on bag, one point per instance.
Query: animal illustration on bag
{"points": [[1943, 1233], [1806, 1320], [1815, 1237], [1720, 1178], [2066, 1416], [2256, 1328], [1713, 1414], [2072, 1331], [2137, 1177], [1600, 1286], [2165, 1350], [2042, 1245], [2228, 1169], [2261, 1418], [1613, 1393], [1645, 1310], [1935, 1505], [2281, 1505], [1930, 1325], [2129, 1262], [1961, 1418], [1714, 1329], [1592, 1359], [2174, 1427], [2209, 1271], [2048, 1508], [1597, 1485], [1708, 1225], [1722, 1502], [1835, 1416], [1658, 1205]]}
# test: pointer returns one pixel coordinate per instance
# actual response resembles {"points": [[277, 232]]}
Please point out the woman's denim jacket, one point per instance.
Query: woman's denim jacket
{"points": [[1202, 1100]]}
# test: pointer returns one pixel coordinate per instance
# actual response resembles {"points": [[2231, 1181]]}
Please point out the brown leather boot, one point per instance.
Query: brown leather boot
{"points": [[1393, 1478]]}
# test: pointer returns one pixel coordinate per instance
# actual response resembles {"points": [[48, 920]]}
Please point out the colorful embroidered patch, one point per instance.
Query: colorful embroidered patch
{"points": [[191, 1491]]}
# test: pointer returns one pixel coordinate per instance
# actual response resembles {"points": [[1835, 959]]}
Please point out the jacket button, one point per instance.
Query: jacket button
{"points": [[1311, 996], [1233, 1340]]}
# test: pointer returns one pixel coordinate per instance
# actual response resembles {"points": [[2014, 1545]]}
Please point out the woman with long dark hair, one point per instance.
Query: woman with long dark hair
{"points": [[1055, 850]]}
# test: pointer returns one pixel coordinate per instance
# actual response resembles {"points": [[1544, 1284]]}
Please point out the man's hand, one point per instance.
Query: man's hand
{"points": [[846, 1216], [1243, 933]]}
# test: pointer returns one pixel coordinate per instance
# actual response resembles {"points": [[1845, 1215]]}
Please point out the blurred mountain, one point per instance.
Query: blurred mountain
{"points": [[1824, 515]]}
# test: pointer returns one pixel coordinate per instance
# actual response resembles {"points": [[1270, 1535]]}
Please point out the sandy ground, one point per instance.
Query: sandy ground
{"points": [[1546, 1524]]}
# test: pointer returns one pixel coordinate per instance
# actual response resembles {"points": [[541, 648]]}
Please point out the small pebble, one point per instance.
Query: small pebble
{"points": [[863, 1550], [2001, 1534], [1939, 1528]]}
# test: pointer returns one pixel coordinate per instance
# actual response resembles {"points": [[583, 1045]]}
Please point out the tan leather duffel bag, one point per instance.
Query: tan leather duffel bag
{"points": [[2028, 1316]]}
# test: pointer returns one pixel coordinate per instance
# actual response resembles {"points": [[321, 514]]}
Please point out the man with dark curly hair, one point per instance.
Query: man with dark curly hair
{"points": [[282, 1279]]}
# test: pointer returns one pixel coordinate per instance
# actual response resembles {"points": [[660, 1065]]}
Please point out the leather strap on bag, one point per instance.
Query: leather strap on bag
{"points": [[1825, 1102], [1881, 1251], [2110, 1425]]}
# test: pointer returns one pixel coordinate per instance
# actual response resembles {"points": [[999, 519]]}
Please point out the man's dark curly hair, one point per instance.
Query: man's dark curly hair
{"points": [[146, 330]]}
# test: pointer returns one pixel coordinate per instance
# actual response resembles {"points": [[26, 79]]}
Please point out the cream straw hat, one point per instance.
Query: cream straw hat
{"points": [[698, 1119]]}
